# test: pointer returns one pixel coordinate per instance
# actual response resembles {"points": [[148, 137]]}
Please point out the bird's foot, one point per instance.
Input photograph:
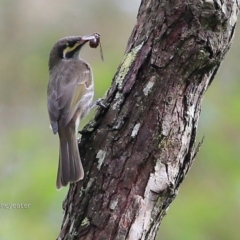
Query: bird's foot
{"points": [[99, 102], [92, 124]]}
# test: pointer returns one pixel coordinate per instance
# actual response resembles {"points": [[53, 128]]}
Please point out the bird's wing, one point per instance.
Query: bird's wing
{"points": [[66, 88]]}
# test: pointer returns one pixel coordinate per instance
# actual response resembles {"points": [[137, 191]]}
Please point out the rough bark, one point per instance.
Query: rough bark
{"points": [[137, 152]]}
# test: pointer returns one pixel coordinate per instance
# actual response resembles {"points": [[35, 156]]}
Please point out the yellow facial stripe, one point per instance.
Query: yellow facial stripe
{"points": [[70, 49]]}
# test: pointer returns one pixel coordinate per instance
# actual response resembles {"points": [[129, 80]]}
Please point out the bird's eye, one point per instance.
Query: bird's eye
{"points": [[70, 44]]}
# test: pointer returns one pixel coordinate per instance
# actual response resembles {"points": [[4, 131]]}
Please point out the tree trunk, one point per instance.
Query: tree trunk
{"points": [[138, 150]]}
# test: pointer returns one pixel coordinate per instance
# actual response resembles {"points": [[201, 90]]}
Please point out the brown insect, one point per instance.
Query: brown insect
{"points": [[94, 41]]}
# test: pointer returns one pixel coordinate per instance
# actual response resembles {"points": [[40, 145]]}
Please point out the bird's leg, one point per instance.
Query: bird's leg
{"points": [[89, 127], [99, 102]]}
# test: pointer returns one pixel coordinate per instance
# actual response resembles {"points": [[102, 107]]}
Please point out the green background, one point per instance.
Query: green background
{"points": [[208, 204]]}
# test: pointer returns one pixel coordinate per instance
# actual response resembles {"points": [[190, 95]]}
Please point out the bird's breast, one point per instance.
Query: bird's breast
{"points": [[86, 101]]}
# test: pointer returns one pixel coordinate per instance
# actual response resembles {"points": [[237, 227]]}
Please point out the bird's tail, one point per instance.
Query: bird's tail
{"points": [[70, 167]]}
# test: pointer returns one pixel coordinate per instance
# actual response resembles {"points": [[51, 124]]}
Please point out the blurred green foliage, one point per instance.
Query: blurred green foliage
{"points": [[207, 206]]}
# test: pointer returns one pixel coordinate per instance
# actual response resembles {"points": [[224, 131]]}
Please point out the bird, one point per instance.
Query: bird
{"points": [[70, 95]]}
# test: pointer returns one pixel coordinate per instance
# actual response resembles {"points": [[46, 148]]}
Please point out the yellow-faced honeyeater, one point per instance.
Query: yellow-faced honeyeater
{"points": [[70, 94]]}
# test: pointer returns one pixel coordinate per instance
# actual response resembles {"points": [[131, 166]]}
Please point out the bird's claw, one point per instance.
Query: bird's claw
{"points": [[99, 102]]}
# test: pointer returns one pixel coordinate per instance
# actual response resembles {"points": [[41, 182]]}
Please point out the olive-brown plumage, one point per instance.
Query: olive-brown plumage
{"points": [[70, 94]]}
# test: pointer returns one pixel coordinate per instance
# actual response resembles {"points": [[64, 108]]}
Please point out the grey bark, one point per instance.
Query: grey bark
{"points": [[137, 152]]}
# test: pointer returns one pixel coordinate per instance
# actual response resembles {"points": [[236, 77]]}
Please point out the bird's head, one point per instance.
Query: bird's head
{"points": [[69, 47]]}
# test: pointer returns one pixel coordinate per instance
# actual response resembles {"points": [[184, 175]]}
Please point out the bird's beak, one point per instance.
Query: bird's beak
{"points": [[81, 42], [85, 39], [88, 37]]}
